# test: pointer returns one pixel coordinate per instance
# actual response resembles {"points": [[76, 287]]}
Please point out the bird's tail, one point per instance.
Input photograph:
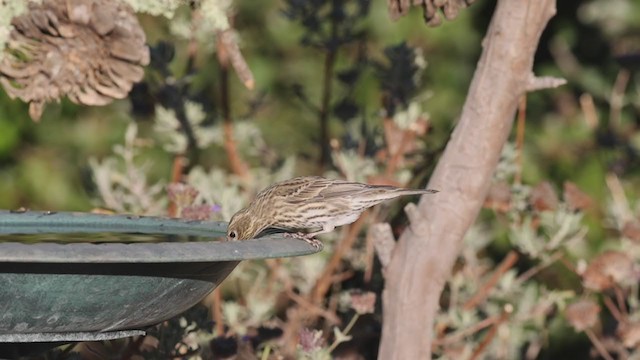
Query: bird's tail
{"points": [[402, 191], [381, 193]]}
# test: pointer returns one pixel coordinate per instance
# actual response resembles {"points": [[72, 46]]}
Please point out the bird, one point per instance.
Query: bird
{"points": [[306, 206]]}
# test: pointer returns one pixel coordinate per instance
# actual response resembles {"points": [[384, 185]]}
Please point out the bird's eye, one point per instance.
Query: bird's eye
{"points": [[233, 234]]}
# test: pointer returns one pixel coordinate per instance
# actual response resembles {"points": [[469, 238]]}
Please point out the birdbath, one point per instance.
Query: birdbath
{"points": [[68, 277]]}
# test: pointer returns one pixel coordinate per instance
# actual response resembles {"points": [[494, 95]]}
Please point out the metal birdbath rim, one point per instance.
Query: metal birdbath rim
{"points": [[210, 247]]}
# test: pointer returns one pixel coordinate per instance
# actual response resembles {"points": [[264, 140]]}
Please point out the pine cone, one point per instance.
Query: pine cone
{"points": [[430, 8], [89, 50]]}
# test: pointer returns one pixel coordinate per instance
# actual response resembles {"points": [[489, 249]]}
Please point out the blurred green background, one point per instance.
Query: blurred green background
{"points": [[582, 132], [45, 165]]}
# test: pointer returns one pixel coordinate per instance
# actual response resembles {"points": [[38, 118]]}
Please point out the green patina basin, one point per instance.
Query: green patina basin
{"points": [[78, 276]]}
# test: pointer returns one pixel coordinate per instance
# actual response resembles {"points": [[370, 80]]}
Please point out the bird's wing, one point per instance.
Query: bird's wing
{"points": [[321, 189], [292, 190], [343, 189], [308, 189]]}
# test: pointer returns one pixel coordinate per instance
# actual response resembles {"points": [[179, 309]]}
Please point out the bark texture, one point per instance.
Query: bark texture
{"points": [[424, 255]]}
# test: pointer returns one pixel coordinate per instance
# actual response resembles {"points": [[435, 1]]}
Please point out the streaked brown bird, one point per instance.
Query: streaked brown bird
{"points": [[306, 206]]}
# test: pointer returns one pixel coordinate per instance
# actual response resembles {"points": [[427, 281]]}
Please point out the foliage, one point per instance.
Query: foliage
{"points": [[549, 269]]}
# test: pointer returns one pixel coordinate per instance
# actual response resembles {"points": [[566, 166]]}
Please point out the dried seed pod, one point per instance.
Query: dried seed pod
{"points": [[629, 333], [363, 303], [198, 212], [499, 197], [450, 9], [608, 269], [181, 194], [310, 340], [575, 198], [631, 230], [89, 50], [544, 197], [582, 314]]}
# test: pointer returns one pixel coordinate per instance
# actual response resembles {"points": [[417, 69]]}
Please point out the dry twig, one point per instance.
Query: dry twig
{"points": [[506, 264], [326, 279], [490, 335], [237, 164]]}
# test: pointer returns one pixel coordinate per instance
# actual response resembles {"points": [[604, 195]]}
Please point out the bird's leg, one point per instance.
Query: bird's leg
{"points": [[304, 236], [325, 229], [310, 237], [294, 235]]}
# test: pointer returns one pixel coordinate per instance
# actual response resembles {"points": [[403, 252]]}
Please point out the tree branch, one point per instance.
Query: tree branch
{"points": [[237, 164], [426, 252]]}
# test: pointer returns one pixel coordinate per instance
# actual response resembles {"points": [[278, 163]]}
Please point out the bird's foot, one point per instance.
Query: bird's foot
{"points": [[308, 238]]}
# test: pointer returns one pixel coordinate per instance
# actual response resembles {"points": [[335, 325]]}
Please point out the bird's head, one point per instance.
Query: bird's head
{"points": [[240, 227]]}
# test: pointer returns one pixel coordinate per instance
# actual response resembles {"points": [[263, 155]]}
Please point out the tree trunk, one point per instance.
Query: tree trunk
{"points": [[424, 255]]}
